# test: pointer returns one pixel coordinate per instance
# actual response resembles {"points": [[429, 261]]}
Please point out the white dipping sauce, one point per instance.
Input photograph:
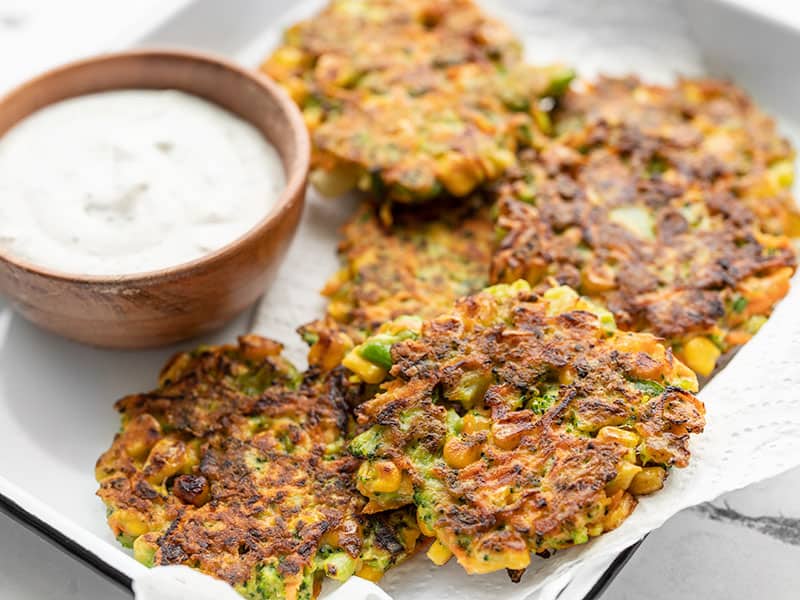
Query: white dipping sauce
{"points": [[130, 181]]}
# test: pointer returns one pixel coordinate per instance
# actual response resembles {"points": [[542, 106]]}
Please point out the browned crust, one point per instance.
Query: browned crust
{"points": [[697, 163], [412, 100], [554, 376], [417, 264], [236, 464]]}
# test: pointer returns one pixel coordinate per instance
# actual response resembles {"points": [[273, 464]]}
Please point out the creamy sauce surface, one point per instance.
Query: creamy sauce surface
{"points": [[130, 181]]}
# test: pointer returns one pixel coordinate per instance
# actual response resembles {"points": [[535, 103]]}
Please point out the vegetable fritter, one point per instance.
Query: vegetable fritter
{"points": [[237, 466], [418, 265], [411, 99], [669, 206], [521, 423], [711, 131]]}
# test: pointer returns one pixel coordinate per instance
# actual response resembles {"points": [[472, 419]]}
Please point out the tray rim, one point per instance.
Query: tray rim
{"points": [[58, 539]]}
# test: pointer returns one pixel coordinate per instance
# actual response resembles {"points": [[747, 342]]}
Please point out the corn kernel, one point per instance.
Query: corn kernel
{"points": [[312, 116], [595, 529], [649, 480], [335, 282], [566, 376], [334, 182], [457, 173], [370, 573], [174, 368], [494, 164], [409, 537], [683, 377], [693, 93], [167, 458], [560, 299], [379, 477], [507, 436], [617, 435], [543, 121], [459, 454], [327, 353], [439, 553], [402, 325], [627, 471], [338, 310], [128, 522], [597, 279], [473, 422], [296, 88], [289, 56], [701, 355], [781, 174], [629, 439], [140, 436], [792, 226], [368, 372], [622, 505], [535, 272], [424, 528]]}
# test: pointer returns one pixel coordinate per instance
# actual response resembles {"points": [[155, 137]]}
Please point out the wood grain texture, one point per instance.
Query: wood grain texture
{"points": [[161, 307]]}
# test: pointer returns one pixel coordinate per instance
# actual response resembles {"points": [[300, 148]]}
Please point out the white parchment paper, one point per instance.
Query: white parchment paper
{"points": [[753, 406]]}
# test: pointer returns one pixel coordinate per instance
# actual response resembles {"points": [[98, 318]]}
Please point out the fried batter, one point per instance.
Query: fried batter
{"points": [[521, 424], [706, 129], [669, 206], [418, 265], [411, 99], [237, 466]]}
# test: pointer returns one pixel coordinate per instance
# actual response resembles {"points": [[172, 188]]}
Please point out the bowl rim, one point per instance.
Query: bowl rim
{"points": [[293, 189]]}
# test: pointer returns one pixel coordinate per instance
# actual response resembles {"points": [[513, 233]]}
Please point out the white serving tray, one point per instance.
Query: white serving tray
{"points": [[56, 396]]}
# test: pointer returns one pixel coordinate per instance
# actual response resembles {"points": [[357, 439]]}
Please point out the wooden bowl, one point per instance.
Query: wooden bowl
{"points": [[164, 306]]}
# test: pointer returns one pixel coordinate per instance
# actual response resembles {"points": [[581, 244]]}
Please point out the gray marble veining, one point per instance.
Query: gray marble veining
{"points": [[783, 529], [743, 546]]}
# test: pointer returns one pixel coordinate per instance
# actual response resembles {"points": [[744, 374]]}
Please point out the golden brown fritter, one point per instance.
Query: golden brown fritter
{"points": [[710, 130], [521, 423], [670, 206], [237, 466], [418, 265], [411, 99]]}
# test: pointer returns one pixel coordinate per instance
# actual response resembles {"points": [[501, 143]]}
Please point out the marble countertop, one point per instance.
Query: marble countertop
{"points": [[744, 545]]}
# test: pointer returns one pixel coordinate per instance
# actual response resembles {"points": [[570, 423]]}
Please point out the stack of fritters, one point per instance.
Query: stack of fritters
{"points": [[410, 100], [418, 264], [670, 206], [520, 423], [237, 466], [504, 422]]}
